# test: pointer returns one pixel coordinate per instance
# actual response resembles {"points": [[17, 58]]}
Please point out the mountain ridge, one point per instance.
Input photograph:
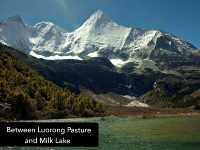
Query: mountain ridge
{"points": [[98, 36]]}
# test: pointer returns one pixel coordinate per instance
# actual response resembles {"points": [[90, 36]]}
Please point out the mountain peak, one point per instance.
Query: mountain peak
{"points": [[46, 25], [15, 18], [98, 13], [97, 18]]}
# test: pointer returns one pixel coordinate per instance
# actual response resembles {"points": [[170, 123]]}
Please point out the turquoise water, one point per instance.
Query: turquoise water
{"points": [[129, 133]]}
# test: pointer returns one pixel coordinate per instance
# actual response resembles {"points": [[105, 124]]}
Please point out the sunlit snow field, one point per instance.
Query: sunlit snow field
{"points": [[130, 133]]}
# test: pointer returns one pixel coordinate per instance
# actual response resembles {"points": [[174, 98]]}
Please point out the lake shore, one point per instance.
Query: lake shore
{"points": [[134, 112], [151, 112]]}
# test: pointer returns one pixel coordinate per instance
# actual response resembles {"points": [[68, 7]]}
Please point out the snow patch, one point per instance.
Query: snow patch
{"points": [[55, 57], [93, 54], [136, 103], [118, 62], [129, 97], [4, 43]]}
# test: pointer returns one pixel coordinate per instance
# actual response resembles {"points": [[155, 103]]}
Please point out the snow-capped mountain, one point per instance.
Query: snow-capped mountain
{"points": [[99, 36], [15, 33]]}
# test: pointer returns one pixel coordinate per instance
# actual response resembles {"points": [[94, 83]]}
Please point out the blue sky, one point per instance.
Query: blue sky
{"points": [[180, 17]]}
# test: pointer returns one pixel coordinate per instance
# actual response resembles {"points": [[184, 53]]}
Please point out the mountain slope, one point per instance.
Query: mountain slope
{"points": [[96, 74], [102, 80], [24, 94]]}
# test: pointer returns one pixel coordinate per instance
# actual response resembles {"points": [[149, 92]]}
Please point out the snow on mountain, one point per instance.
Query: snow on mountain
{"points": [[97, 33], [136, 103], [54, 57], [118, 62], [13, 32], [99, 36], [48, 37]]}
